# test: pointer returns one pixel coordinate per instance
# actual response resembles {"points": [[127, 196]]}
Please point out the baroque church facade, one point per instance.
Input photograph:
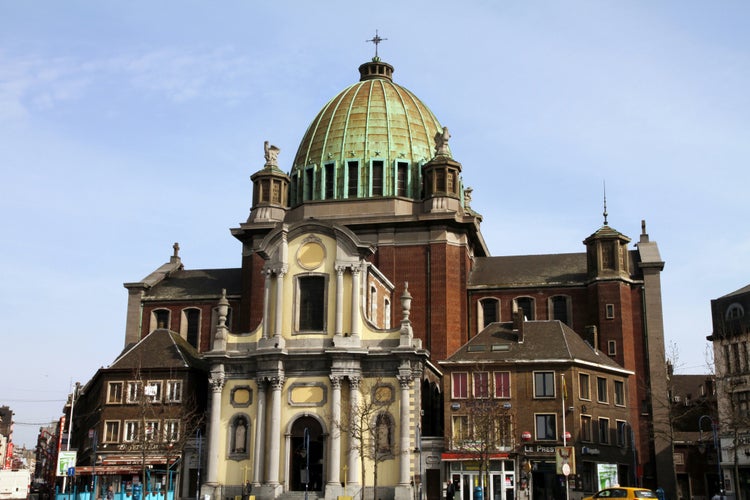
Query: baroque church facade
{"points": [[363, 266]]}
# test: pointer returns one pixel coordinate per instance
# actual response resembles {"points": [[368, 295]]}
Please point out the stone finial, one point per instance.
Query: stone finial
{"points": [[271, 154], [220, 339], [406, 301], [175, 253], [407, 334], [467, 196], [441, 142]]}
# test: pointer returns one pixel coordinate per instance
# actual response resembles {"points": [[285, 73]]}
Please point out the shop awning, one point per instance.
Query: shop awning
{"points": [[453, 457]]}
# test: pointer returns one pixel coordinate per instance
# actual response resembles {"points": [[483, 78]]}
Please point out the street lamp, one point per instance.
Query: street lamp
{"points": [[714, 430]]}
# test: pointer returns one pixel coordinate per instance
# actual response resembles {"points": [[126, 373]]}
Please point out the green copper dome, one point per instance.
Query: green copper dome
{"points": [[375, 130]]}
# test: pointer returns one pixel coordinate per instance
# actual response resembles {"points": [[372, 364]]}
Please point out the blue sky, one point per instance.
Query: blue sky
{"points": [[127, 126]]}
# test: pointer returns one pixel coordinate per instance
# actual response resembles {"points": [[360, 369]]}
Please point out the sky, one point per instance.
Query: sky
{"points": [[128, 126]]}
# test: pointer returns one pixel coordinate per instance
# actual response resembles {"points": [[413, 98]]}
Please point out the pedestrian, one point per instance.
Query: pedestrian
{"points": [[450, 491], [110, 493]]}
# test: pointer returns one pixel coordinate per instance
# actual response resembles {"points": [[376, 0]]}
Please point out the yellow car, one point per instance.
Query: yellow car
{"points": [[623, 492]]}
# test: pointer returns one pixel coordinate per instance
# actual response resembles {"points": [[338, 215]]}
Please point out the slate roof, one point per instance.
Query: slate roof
{"points": [[562, 269], [527, 270], [543, 342], [197, 284], [689, 385], [743, 290], [161, 349]]}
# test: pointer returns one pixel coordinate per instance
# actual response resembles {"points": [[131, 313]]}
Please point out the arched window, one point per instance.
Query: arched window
{"points": [[239, 430], [159, 319], [489, 312], [190, 328], [560, 308], [373, 304], [386, 313], [527, 304], [383, 433]]}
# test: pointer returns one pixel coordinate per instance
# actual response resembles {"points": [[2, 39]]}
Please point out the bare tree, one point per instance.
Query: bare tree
{"points": [[163, 426], [488, 427], [370, 427]]}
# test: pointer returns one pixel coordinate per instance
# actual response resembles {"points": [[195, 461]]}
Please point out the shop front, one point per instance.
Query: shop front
{"points": [[469, 481]]}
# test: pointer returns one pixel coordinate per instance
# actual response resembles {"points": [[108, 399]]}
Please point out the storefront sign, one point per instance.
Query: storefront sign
{"points": [[547, 450]]}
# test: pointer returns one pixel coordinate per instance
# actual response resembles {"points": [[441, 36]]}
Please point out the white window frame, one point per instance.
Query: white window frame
{"points": [[107, 439], [109, 392], [131, 387], [475, 380], [599, 398], [169, 393], [605, 435], [553, 385], [151, 430], [536, 427], [153, 386], [507, 389], [465, 386], [130, 431], [171, 430], [620, 394], [581, 395]]}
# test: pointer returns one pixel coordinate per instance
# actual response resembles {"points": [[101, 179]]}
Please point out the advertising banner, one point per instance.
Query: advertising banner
{"points": [[606, 475], [65, 460]]}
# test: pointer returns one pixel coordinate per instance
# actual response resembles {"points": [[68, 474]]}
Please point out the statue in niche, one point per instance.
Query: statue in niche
{"points": [[271, 154], [441, 142], [240, 435]]}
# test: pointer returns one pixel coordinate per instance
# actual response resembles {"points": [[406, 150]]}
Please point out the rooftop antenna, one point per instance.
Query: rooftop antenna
{"points": [[376, 40], [604, 186]]}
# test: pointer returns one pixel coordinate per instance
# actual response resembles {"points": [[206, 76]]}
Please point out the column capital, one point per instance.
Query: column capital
{"points": [[276, 382], [354, 382], [217, 383], [405, 380], [336, 381]]}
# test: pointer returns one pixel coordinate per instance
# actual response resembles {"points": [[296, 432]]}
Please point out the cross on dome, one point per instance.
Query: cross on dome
{"points": [[376, 40]]}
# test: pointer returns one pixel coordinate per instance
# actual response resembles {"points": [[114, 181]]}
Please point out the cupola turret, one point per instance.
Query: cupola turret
{"points": [[270, 189]]}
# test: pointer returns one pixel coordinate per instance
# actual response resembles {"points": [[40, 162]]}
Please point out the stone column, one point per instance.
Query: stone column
{"points": [[334, 460], [405, 427], [214, 429], [279, 304], [339, 328], [266, 304], [355, 301], [274, 433], [260, 434], [354, 469]]}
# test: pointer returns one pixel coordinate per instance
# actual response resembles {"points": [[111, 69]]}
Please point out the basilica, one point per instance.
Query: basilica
{"points": [[364, 270]]}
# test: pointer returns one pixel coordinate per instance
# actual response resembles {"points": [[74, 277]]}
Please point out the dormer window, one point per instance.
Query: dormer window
{"points": [[735, 311]]}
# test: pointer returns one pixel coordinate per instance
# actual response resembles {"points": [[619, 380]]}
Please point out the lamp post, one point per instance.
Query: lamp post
{"points": [[716, 447]]}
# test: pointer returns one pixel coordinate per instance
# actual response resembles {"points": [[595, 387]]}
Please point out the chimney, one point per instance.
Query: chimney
{"points": [[518, 321], [591, 336]]}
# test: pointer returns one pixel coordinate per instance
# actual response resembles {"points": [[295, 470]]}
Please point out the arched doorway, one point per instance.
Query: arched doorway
{"points": [[303, 453]]}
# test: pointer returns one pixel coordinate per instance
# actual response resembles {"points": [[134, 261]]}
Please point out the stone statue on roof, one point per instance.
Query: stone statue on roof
{"points": [[271, 154], [441, 142]]}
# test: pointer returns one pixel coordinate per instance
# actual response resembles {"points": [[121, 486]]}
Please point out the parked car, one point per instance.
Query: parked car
{"points": [[623, 492]]}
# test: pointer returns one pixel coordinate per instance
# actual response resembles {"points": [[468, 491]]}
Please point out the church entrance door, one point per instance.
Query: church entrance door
{"points": [[307, 455]]}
